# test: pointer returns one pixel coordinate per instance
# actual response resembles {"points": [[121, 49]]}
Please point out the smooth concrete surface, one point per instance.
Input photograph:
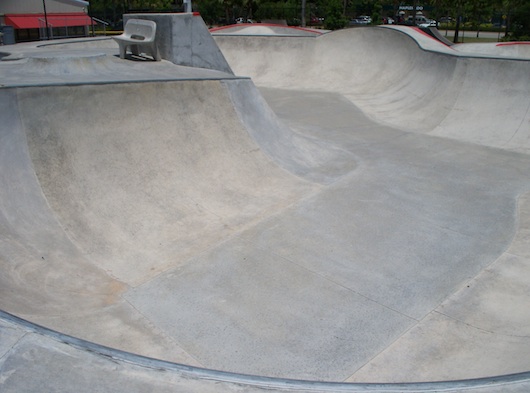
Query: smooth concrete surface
{"points": [[470, 97], [345, 227], [266, 29], [501, 49], [92, 61], [35, 359]]}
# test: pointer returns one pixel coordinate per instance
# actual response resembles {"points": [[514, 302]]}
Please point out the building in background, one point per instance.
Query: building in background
{"points": [[33, 20]]}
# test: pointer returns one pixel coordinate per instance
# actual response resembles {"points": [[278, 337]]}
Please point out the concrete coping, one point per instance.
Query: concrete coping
{"points": [[197, 373]]}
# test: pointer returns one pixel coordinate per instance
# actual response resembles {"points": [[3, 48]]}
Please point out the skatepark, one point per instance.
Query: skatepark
{"points": [[268, 211]]}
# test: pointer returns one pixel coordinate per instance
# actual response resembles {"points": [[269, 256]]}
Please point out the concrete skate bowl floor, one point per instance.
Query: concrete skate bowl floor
{"points": [[375, 231]]}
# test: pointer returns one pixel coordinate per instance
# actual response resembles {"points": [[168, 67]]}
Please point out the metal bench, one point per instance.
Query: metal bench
{"points": [[139, 36]]}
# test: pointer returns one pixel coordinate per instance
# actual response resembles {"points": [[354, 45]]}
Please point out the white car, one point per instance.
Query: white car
{"points": [[367, 19], [243, 20], [422, 21], [428, 23]]}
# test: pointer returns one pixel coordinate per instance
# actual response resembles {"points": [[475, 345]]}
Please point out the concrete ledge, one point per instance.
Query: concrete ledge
{"points": [[184, 39]]}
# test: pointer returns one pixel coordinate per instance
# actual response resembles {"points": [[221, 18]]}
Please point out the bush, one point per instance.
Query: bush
{"points": [[521, 23], [211, 11], [334, 19], [376, 13], [282, 10]]}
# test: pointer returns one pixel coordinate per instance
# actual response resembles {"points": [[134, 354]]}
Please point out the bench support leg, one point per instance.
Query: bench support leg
{"points": [[149, 48], [123, 48]]}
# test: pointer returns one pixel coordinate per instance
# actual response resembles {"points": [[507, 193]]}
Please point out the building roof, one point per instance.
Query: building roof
{"points": [[35, 21]]}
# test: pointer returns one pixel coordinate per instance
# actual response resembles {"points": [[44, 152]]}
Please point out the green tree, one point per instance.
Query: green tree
{"points": [[100, 6], [521, 23], [476, 11], [376, 14], [228, 6], [334, 18], [211, 11], [287, 10]]}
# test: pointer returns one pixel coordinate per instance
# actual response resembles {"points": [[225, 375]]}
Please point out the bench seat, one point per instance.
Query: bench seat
{"points": [[139, 35]]}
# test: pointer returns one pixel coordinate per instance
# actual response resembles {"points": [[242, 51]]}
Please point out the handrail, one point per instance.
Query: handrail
{"points": [[100, 21], [105, 24], [45, 24], [47, 27]]}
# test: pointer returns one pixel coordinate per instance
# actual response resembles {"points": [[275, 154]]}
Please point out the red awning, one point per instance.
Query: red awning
{"points": [[36, 21]]}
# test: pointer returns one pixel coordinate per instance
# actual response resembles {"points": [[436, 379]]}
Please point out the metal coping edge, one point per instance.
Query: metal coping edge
{"points": [[262, 381]]}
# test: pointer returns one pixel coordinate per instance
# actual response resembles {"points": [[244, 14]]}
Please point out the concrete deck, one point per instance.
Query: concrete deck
{"points": [[362, 218]]}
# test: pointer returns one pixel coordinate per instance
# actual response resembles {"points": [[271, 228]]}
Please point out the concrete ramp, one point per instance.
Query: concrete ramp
{"points": [[399, 77], [266, 29], [181, 179], [512, 50], [114, 185], [361, 220]]}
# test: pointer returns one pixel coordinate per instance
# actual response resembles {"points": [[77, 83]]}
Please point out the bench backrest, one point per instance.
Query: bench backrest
{"points": [[140, 28]]}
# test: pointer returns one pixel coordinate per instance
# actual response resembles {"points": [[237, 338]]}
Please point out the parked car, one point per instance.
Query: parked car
{"points": [[243, 20], [429, 23], [366, 18], [357, 22], [361, 20], [422, 21]]}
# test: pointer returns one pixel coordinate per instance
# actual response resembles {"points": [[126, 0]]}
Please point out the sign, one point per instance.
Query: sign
{"points": [[410, 8]]}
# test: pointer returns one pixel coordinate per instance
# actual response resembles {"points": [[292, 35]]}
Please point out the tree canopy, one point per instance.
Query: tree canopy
{"points": [[512, 15]]}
